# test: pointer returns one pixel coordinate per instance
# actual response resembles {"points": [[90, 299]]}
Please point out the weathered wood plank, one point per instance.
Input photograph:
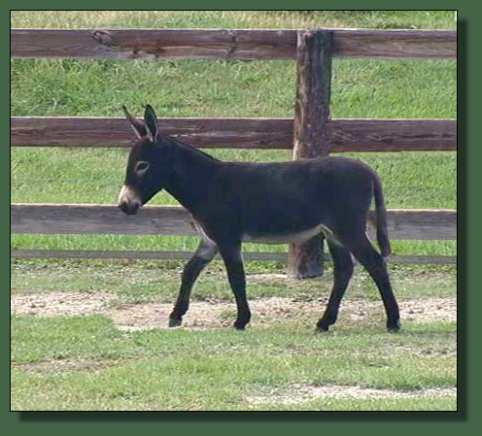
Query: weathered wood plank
{"points": [[392, 135], [115, 132], [153, 43], [184, 255], [310, 132], [76, 218], [224, 44], [420, 224], [174, 220], [249, 133], [428, 44]]}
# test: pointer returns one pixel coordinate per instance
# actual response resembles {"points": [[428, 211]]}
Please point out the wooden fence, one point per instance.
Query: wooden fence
{"points": [[224, 44], [312, 51]]}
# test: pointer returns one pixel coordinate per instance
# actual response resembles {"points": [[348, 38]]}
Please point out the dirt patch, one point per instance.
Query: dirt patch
{"points": [[201, 315], [60, 303], [299, 393], [266, 311], [269, 277], [429, 310], [269, 311]]}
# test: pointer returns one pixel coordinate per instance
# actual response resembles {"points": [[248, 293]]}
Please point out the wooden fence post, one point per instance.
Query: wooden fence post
{"points": [[312, 112]]}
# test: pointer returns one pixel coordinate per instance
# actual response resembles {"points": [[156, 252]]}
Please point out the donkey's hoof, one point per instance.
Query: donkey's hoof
{"points": [[239, 326], [393, 327], [321, 328], [175, 322]]}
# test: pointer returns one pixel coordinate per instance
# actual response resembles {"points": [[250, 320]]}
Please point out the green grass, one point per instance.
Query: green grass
{"points": [[86, 363], [361, 88], [219, 369], [236, 19], [158, 281]]}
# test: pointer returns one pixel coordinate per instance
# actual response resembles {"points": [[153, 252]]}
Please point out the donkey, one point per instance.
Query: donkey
{"points": [[232, 202]]}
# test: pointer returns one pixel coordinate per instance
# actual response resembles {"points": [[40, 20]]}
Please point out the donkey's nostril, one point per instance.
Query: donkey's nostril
{"points": [[123, 206], [129, 208], [133, 207]]}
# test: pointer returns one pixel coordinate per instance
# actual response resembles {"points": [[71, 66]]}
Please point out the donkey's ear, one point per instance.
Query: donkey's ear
{"points": [[150, 120], [137, 125]]}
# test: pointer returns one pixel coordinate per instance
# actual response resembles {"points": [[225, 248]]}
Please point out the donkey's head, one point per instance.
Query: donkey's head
{"points": [[148, 165]]}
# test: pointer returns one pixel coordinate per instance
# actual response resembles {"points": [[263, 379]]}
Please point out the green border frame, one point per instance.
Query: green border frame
{"points": [[465, 421]]}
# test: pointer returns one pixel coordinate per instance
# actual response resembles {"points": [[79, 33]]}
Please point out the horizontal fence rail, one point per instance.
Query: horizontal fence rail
{"points": [[184, 255], [174, 220], [224, 44], [250, 133]]}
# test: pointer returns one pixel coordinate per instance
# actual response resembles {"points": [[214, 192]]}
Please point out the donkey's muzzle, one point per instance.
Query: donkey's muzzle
{"points": [[129, 201], [129, 208]]}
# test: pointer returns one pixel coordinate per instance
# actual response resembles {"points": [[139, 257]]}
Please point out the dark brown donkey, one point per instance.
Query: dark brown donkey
{"points": [[232, 202]]}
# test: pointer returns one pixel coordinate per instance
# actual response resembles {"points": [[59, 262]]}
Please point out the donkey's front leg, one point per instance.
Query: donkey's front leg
{"points": [[202, 256], [231, 254]]}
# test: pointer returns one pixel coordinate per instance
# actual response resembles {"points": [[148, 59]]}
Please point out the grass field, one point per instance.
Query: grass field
{"points": [[92, 336], [87, 334]]}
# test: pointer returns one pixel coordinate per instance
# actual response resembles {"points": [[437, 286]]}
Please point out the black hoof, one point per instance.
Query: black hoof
{"points": [[393, 327], [175, 322], [321, 328], [239, 326]]}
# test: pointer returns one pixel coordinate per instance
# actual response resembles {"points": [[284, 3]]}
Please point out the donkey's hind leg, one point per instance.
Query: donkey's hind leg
{"points": [[373, 262], [342, 271], [201, 257]]}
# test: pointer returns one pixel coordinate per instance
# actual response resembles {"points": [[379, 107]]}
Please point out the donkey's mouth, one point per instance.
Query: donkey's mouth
{"points": [[129, 208], [129, 201]]}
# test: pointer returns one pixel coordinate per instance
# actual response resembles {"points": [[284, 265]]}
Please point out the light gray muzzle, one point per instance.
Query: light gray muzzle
{"points": [[129, 201]]}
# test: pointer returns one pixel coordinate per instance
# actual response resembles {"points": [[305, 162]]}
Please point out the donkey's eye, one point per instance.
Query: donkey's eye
{"points": [[142, 167]]}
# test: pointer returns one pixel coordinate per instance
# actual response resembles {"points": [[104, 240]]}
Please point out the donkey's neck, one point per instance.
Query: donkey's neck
{"points": [[191, 172]]}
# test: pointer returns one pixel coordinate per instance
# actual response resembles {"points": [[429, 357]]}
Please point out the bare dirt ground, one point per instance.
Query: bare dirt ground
{"points": [[145, 316], [299, 393]]}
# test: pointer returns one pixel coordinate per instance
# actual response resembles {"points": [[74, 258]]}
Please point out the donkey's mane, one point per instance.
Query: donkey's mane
{"points": [[185, 146]]}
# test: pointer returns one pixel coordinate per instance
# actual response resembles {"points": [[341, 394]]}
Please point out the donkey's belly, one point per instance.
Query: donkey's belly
{"points": [[286, 238]]}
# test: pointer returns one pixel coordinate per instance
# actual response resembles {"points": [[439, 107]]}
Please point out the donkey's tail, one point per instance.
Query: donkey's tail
{"points": [[381, 218]]}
